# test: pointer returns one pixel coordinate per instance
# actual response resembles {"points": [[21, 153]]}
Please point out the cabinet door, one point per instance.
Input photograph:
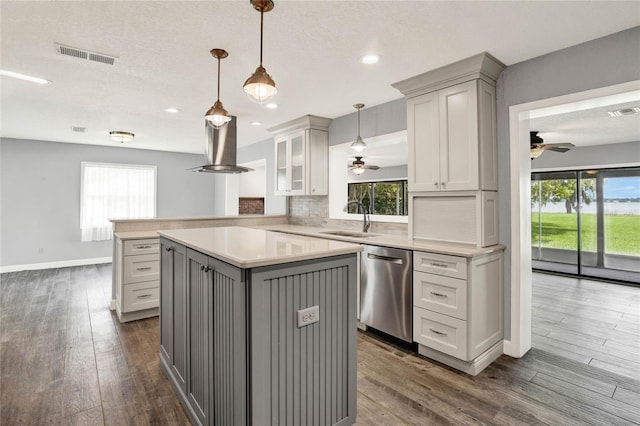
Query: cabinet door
{"points": [[282, 176], [318, 163], [424, 143], [200, 324], [459, 137], [297, 162], [173, 332]]}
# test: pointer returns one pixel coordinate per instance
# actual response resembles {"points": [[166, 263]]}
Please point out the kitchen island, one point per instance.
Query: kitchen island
{"points": [[259, 327]]}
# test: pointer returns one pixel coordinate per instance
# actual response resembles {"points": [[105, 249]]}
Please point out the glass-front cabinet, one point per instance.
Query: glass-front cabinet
{"points": [[302, 156]]}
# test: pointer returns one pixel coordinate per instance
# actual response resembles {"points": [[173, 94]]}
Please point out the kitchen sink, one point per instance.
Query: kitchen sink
{"points": [[349, 234]]}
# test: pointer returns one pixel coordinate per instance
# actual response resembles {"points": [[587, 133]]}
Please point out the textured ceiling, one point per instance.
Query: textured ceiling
{"points": [[311, 49]]}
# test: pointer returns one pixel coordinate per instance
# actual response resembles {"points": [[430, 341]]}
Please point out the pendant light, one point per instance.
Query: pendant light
{"points": [[217, 115], [358, 145], [260, 87]]}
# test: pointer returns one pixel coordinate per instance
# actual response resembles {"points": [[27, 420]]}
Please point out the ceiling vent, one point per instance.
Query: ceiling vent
{"points": [[78, 129], [624, 111], [85, 54]]}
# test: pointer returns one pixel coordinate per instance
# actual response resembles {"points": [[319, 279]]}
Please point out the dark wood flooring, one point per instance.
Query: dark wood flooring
{"points": [[66, 360]]}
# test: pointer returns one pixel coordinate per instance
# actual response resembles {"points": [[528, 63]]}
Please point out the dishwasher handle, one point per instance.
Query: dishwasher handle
{"points": [[389, 259]]}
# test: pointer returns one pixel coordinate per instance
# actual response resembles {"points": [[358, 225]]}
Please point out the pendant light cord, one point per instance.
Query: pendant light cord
{"points": [[358, 120], [218, 78], [261, 31]]}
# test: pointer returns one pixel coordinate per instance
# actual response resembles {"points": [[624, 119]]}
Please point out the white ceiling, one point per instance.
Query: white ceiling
{"points": [[311, 49]]}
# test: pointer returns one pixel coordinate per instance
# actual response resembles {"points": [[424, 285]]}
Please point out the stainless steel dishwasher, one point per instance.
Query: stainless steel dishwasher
{"points": [[386, 290]]}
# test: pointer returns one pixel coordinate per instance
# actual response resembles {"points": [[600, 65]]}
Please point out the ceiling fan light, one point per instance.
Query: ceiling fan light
{"points": [[358, 170], [260, 87]]}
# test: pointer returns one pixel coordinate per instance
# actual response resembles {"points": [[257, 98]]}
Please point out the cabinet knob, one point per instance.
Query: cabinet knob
{"points": [[443, 184], [436, 184]]}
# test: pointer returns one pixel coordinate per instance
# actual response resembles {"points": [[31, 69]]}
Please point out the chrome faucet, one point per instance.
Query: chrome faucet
{"points": [[366, 223]]}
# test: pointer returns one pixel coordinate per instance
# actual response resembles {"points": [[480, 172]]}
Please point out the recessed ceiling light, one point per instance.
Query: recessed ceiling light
{"points": [[256, 123], [23, 77], [370, 59], [172, 110], [271, 105]]}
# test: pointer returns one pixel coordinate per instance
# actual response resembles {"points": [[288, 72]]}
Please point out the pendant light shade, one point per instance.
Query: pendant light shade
{"points": [[217, 115], [358, 145], [260, 87]]}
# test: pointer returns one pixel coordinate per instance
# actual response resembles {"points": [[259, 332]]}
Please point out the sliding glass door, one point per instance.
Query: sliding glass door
{"points": [[587, 222]]}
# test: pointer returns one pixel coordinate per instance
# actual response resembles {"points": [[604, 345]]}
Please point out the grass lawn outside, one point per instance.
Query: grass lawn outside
{"points": [[560, 230]]}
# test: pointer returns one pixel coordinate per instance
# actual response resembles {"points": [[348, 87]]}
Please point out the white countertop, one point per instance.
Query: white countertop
{"points": [[396, 241], [251, 247], [136, 235]]}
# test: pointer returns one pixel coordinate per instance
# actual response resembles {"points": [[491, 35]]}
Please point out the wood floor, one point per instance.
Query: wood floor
{"points": [[66, 360]]}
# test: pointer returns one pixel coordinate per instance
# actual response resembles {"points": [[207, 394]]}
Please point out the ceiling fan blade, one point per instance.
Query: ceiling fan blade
{"points": [[371, 167], [561, 145], [555, 148]]}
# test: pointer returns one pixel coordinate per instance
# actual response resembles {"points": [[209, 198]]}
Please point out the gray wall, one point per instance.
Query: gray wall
{"points": [[40, 196], [579, 157], [374, 121], [385, 173], [265, 149], [606, 61]]}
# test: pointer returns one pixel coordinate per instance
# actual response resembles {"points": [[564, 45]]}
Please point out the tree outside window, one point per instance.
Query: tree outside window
{"points": [[389, 198]]}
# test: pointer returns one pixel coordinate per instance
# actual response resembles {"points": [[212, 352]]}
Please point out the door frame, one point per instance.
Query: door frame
{"points": [[520, 202]]}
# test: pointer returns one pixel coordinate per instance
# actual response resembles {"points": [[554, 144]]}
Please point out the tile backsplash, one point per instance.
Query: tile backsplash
{"points": [[314, 211]]}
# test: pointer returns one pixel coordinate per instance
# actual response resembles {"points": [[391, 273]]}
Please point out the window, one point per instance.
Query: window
{"points": [[587, 222], [109, 191], [388, 198]]}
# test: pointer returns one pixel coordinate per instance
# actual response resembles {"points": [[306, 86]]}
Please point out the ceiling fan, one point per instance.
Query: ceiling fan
{"points": [[359, 167], [538, 146]]}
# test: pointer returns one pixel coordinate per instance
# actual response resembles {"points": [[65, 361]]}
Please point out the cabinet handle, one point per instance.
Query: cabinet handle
{"points": [[146, 268], [205, 268], [169, 249], [439, 265], [144, 296], [438, 294], [143, 247], [437, 332]]}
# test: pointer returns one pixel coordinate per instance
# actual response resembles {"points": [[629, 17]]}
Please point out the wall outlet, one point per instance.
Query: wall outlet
{"points": [[308, 316]]}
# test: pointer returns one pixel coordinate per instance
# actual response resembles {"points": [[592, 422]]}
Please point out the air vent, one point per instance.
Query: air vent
{"points": [[78, 129], [85, 54], [624, 111]]}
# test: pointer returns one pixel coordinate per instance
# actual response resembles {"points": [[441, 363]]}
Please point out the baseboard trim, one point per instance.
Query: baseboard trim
{"points": [[60, 264], [473, 367]]}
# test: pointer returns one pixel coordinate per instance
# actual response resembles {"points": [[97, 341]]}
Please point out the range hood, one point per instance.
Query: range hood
{"points": [[221, 150]]}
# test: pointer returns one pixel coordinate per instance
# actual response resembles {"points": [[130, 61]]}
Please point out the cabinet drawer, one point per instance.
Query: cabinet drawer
{"points": [[144, 267], [440, 332], [139, 296], [147, 246], [440, 294], [440, 264]]}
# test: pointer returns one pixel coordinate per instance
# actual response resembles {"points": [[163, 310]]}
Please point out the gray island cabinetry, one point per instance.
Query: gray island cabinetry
{"points": [[259, 327]]}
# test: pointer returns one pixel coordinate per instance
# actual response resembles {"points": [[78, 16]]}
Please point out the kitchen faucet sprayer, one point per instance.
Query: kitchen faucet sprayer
{"points": [[366, 222]]}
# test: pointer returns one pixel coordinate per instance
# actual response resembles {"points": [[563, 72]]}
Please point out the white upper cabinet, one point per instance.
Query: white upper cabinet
{"points": [[451, 125], [302, 156]]}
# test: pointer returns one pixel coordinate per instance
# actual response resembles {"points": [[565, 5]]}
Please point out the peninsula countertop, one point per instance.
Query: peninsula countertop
{"points": [[251, 247]]}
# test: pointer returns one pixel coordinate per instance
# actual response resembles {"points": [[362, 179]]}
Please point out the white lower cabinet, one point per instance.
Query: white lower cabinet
{"points": [[458, 308], [137, 278]]}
